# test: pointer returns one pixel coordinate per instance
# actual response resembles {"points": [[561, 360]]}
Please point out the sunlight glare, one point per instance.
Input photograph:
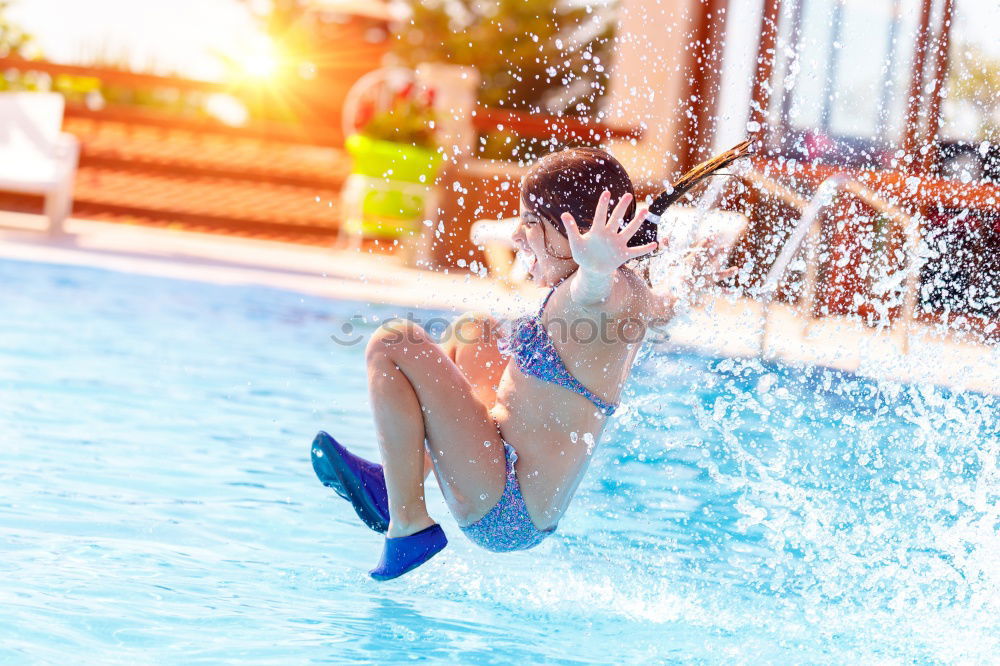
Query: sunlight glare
{"points": [[261, 61]]}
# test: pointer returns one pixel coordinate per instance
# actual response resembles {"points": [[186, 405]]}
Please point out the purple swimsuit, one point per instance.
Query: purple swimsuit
{"points": [[508, 526], [535, 355]]}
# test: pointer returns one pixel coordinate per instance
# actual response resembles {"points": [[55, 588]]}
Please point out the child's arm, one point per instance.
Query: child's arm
{"points": [[600, 252]]}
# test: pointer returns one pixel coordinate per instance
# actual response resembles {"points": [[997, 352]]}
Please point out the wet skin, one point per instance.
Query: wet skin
{"points": [[463, 397]]}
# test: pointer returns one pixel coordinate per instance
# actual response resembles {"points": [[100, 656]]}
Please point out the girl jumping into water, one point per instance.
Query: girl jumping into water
{"points": [[508, 424]]}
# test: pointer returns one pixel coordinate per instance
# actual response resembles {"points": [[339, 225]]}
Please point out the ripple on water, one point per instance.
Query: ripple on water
{"points": [[159, 504]]}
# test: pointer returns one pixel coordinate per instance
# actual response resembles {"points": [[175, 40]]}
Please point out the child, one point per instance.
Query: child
{"points": [[509, 425]]}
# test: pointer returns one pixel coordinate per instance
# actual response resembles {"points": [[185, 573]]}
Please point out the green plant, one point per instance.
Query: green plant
{"points": [[974, 77], [13, 39], [523, 49], [408, 121], [545, 56]]}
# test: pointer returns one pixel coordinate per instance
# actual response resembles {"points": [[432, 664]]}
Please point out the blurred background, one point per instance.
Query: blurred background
{"points": [[393, 127]]}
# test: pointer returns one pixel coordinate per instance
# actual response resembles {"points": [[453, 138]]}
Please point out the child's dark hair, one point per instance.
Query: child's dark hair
{"points": [[572, 180]]}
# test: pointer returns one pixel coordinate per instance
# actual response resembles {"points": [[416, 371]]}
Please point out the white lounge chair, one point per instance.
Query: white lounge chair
{"points": [[35, 155]]}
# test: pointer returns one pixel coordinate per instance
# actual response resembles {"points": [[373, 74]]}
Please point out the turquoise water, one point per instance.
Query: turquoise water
{"points": [[158, 503]]}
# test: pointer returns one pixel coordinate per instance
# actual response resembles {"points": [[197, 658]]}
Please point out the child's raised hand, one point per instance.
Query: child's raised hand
{"points": [[604, 247]]}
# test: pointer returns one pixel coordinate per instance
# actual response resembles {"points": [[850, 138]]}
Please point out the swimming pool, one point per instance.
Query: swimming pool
{"points": [[159, 505]]}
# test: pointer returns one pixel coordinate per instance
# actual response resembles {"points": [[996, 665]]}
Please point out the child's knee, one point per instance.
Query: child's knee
{"points": [[475, 328], [393, 334]]}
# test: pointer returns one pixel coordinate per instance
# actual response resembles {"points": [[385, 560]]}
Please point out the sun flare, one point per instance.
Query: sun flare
{"points": [[260, 60]]}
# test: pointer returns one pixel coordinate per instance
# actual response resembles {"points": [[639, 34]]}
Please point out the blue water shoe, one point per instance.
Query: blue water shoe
{"points": [[403, 554], [359, 481]]}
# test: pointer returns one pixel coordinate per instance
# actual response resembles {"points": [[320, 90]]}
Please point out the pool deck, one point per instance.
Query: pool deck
{"points": [[725, 325]]}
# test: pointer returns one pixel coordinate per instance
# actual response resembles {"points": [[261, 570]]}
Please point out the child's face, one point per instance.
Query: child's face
{"points": [[545, 249]]}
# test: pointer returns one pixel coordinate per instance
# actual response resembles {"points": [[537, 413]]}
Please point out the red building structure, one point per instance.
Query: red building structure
{"points": [[868, 91]]}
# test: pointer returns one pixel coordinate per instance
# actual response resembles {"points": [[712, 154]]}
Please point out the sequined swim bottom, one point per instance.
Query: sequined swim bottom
{"points": [[507, 526]]}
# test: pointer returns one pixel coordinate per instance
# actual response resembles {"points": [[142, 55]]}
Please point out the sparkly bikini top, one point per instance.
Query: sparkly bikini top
{"points": [[535, 355]]}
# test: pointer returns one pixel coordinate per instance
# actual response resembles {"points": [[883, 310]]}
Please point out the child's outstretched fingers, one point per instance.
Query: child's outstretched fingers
{"points": [[640, 250], [570, 223], [601, 211], [634, 225], [618, 214], [573, 234]]}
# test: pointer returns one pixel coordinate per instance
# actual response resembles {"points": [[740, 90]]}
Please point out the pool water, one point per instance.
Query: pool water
{"points": [[158, 503]]}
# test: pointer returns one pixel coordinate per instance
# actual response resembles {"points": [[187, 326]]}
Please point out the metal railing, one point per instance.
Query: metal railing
{"points": [[810, 211]]}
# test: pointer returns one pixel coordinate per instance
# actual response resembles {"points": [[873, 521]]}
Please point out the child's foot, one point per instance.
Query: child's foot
{"points": [[359, 481], [406, 553]]}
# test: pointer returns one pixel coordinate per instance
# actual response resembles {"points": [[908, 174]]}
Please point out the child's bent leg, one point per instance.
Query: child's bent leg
{"points": [[400, 428], [418, 392], [471, 342]]}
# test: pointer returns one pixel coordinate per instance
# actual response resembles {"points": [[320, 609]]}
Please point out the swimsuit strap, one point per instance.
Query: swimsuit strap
{"points": [[547, 297]]}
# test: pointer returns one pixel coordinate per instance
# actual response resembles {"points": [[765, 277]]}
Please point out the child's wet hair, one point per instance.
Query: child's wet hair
{"points": [[572, 180]]}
